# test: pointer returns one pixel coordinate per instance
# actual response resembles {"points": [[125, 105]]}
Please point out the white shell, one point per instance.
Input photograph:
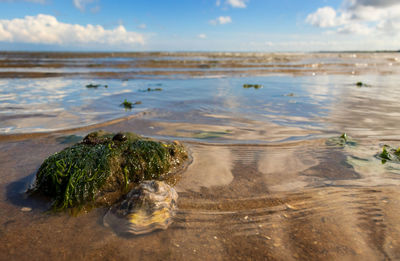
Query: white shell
{"points": [[149, 206]]}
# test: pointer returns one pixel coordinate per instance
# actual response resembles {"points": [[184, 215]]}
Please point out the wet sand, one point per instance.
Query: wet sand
{"points": [[235, 202], [265, 183]]}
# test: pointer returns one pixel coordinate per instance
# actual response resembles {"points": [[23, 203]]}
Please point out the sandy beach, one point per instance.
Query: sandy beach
{"points": [[267, 180]]}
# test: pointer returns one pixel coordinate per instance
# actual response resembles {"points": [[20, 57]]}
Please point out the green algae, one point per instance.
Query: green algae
{"points": [[102, 168], [210, 134], [151, 90], [95, 86], [255, 86], [342, 140], [129, 105], [385, 154], [91, 85], [389, 154], [362, 84]]}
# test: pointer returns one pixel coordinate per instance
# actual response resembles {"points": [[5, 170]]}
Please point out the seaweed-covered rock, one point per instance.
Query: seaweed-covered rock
{"points": [[103, 167]]}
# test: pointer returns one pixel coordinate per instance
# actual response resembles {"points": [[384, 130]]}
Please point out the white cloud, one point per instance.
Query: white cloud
{"points": [[45, 29], [202, 36], [364, 17], [237, 3], [224, 19], [355, 28], [376, 3], [324, 17], [81, 4], [218, 3], [142, 26], [221, 20]]}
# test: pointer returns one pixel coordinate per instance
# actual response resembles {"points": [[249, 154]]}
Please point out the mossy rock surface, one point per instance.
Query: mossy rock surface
{"points": [[103, 167]]}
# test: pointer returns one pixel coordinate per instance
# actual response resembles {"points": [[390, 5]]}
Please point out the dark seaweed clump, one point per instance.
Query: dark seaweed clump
{"points": [[129, 105], [103, 167], [152, 90], [255, 86], [389, 154], [95, 86], [342, 140], [361, 84], [91, 85]]}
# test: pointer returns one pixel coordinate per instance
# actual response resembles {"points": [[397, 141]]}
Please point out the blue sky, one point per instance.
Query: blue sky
{"points": [[199, 25]]}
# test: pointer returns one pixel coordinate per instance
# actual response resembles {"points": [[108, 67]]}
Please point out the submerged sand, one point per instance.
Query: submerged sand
{"points": [[235, 202]]}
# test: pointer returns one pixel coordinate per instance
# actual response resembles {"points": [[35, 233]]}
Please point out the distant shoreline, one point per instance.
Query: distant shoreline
{"points": [[124, 53]]}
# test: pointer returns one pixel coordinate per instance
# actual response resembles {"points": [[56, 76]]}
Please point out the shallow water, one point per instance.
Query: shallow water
{"points": [[266, 182]]}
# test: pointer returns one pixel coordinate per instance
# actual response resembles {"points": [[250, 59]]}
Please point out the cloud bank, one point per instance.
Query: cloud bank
{"points": [[363, 17], [45, 29]]}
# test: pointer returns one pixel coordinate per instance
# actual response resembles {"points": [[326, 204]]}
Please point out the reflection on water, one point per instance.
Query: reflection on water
{"points": [[215, 164], [266, 181], [306, 105], [45, 105]]}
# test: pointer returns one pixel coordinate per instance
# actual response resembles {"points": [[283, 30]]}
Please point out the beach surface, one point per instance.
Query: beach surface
{"points": [[269, 177]]}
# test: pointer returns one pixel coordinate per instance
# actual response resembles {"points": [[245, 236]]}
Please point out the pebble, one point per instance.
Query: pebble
{"points": [[26, 209]]}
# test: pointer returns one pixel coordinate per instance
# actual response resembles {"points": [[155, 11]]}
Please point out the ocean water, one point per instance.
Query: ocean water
{"points": [[268, 179]]}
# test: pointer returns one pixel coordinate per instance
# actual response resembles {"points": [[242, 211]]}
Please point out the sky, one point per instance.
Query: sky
{"points": [[199, 25]]}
